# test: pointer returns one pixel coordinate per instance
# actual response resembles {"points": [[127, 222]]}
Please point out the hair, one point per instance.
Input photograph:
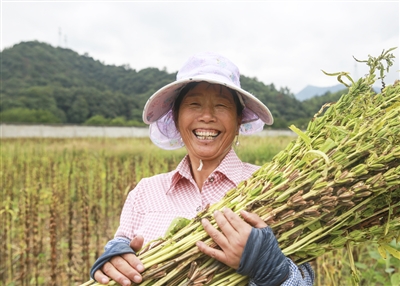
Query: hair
{"points": [[190, 86]]}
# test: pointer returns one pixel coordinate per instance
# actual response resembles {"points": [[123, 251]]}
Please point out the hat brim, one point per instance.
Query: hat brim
{"points": [[163, 99]]}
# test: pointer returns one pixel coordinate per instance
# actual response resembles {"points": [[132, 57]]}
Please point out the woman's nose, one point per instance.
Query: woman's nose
{"points": [[207, 113]]}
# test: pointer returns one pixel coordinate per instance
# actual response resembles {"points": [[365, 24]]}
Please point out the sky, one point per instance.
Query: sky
{"points": [[286, 43]]}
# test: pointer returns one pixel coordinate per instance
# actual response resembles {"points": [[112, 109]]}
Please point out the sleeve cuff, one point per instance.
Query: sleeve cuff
{"points": [[118, 248], [299, 275]]}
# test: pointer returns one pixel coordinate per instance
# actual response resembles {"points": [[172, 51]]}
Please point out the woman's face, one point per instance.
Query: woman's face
{"points": [[208, 121]]}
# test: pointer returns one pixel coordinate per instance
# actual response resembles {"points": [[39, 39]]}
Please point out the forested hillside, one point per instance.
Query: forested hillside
{"points": [[44, 84]]}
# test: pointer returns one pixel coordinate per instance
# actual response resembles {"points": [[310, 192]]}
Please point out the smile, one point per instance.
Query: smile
{"points": [[206, 134]]}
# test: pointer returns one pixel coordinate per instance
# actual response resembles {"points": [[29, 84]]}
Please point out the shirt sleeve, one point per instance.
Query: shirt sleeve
{"points": [[302, 275], [127, 218]]}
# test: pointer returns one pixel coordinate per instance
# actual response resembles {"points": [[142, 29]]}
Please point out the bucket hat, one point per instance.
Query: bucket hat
{"points": [[212, 68]]}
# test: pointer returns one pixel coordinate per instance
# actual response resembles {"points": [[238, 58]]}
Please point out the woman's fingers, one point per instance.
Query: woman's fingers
{"points": [[231, 239], [253, 219], [236, 222], [122, 269], [212, 252], [111, 272], [100, 277], [133, 261], [222, 239], [218, 238], [216, 235]]}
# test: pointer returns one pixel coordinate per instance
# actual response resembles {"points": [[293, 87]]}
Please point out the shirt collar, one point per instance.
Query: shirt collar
{"points": [[181, 171], [231, 166]]}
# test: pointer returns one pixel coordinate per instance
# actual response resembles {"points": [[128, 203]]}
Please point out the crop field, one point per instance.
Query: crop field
{"points": [[61, 200]]}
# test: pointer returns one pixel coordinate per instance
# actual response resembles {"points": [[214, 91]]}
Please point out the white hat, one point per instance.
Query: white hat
{"points": [[212, 68]]}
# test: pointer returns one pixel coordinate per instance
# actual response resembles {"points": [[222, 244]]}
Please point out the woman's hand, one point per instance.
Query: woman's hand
{"points": [[124, 268], [233, 238]]}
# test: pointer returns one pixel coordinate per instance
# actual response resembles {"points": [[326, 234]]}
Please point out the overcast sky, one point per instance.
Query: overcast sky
{"points": [[286, 43]]}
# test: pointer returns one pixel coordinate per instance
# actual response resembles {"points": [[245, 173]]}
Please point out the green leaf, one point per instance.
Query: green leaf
{"points": [[328, 145], [314, 226], [392, 251], [382, 251], [301, 134], [395, 279], [176, 224], [361, 265]]}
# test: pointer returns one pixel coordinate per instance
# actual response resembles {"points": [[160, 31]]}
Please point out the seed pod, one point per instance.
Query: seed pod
{"points": [[372, 180], [329, 204], [344, 181], [347, 203], [359, 186], [286, 226], [348, 195], [326, 192], [358, 170], [326, 199], [363, 194], [296, 234], [341, 191], [286, 214], [311, 212]]}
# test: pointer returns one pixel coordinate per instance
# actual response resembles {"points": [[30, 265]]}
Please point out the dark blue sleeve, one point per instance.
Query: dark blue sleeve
{"points": [[262, 259], [117, 248], [301, 275]]}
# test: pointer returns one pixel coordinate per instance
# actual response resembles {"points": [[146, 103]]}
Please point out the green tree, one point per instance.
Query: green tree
{"points": [[79, 111], [24, 115]]}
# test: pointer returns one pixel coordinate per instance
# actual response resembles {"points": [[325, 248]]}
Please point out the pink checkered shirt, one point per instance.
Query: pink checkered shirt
{"points": [[156, 201]]}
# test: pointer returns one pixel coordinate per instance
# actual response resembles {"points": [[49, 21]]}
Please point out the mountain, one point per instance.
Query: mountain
{"points": [[310, 91], [44, 84]]}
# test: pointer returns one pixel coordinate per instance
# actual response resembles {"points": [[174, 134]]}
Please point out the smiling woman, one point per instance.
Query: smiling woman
{"points": [[203, 110], [208, 122]]}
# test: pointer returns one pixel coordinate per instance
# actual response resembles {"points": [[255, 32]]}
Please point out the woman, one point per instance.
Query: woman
{"points": [[203, 110]]}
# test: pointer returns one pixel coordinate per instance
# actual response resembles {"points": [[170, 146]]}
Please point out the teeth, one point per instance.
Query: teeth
{"points": [[206, 135]]}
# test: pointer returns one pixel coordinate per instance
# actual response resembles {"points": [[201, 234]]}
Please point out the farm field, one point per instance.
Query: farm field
{"points": [[61, 200]]}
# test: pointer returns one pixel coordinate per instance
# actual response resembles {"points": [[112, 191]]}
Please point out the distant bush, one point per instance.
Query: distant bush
{"points": [[100, 120], [25, 115], [135, 123], [97, 120], [118, 121]]}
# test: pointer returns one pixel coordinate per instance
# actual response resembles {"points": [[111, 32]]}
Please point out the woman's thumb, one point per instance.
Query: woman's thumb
{"points": [[137, 243]]}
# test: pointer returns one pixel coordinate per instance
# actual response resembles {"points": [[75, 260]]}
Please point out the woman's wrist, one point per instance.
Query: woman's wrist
{"points": [[262, 259]]}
